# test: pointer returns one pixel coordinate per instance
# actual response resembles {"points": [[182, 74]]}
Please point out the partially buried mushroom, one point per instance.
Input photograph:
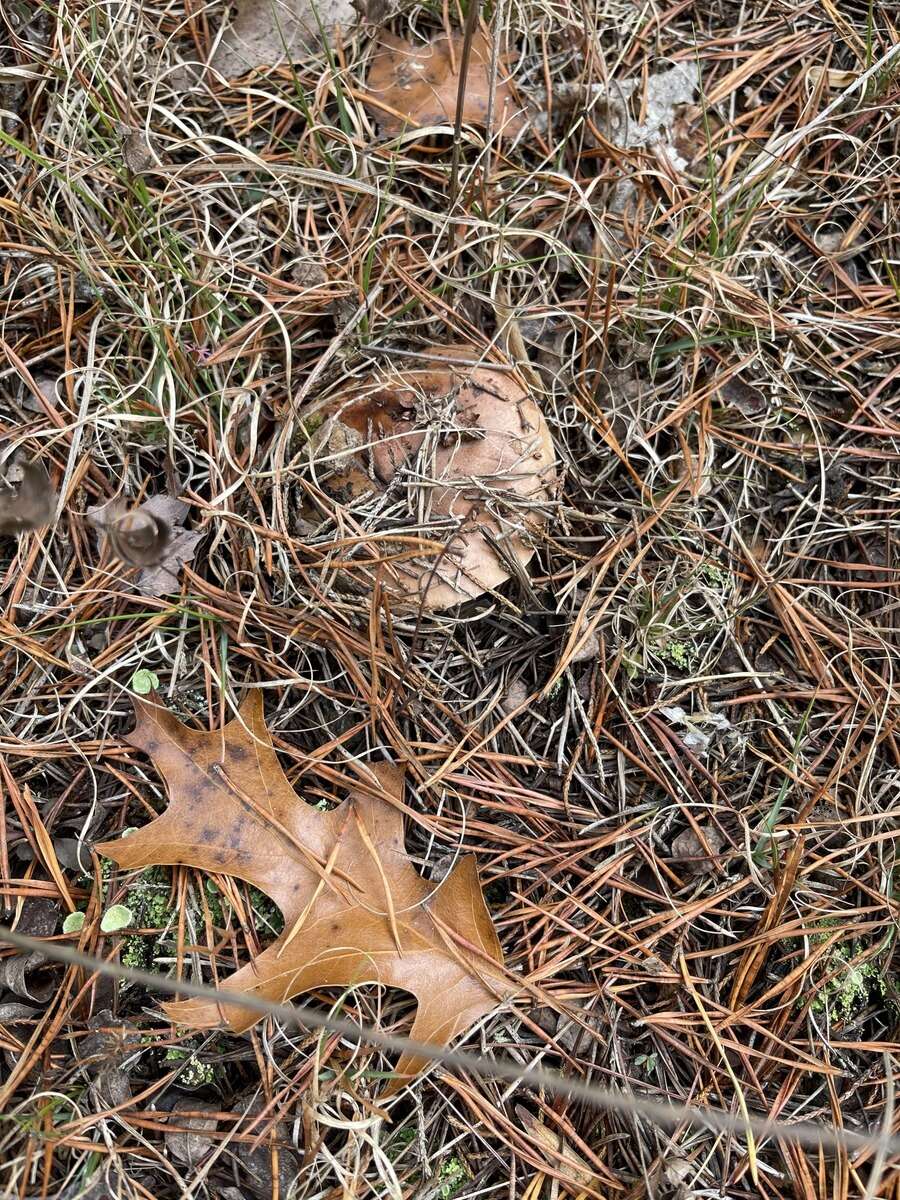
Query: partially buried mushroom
{"points": [[453, 465], [418, 85], [27, 498]]}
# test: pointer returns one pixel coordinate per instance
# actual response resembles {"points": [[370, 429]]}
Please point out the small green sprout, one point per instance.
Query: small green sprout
{"points": [[143, 682]]}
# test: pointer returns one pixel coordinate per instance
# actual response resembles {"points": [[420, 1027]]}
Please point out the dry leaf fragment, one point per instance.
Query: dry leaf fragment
{"points": [[562, 1159], [27, 498], [354, 908], [151, 537], [699, 728], [267, 32], [466, 453], [418, 85]]}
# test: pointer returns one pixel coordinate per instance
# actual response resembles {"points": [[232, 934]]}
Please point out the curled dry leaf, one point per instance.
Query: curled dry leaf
{"points": [[27, 498], [355, 910], [151, 537], [11, 1012], [267, 32], [253, 1146], [462, 457], [418, 85], [32, 976]]}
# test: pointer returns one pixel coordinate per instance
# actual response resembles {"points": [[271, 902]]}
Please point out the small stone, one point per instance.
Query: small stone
{"points": [[112, 1085], [308, 273], [587, 650], [137, 151], [514, 696], [677, 1170], [688, 848], [189, 1144], [748, 400]]}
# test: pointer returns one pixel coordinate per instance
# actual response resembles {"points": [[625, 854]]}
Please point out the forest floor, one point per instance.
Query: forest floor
{"points": [[669, 738]]}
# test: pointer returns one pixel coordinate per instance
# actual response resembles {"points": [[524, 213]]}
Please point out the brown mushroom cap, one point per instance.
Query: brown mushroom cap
{"points": [[464, 456], [27, 498], [418, 85]]}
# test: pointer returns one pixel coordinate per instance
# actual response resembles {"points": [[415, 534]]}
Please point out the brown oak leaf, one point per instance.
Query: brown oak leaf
{"points": [[355, 910]]}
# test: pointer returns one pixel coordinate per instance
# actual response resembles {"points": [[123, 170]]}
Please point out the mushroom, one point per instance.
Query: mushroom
{"points": [[27, 498], [461, 457], [418, 85], [151, 537]]}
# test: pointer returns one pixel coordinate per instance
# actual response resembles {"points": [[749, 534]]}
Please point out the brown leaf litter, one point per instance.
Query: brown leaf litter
{"points": [[355, 909], [265, 33]]}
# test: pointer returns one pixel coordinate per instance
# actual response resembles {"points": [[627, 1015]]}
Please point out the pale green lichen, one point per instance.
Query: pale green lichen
{"points": [[194, 1073], [845, 981], [453, 1175], [848, 985], [680, 654], [713, 573]]}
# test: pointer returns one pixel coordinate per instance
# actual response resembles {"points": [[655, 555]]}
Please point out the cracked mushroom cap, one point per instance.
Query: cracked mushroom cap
{"points": [[417, 85], [459, 457]]}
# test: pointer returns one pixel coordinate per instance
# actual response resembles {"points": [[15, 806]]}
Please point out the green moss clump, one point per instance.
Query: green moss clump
{"points": [[148, 899], [135, 952], [268, 915], [452, 1173], [215, 903]]}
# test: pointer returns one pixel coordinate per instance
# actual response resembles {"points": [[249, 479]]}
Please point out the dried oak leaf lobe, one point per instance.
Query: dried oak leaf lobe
{"points": [[355, 910], [267, 32], [418, 85]]}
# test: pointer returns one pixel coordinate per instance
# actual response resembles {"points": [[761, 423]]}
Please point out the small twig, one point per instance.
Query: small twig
{"points": [[804, 1133], [468, 34]]}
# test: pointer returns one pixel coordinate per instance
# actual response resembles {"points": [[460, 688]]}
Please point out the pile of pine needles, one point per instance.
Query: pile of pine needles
{"points": [[671, 742]]}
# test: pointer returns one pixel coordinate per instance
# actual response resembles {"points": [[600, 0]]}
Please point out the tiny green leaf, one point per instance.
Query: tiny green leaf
{"points": [[143, 682], [73, 922], [115, 918]]}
